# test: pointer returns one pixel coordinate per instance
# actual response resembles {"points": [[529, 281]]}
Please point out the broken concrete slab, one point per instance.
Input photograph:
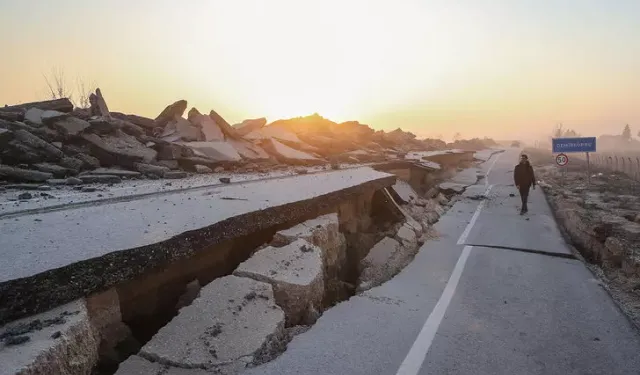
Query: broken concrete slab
{"points": [[144, 122], [324, 232], [248, 126], [19, 174], [70, 126], [98, 104], [218, 151], [220, 327], [296, 272], [181, 129], [407, 236], [56, 170], [59, 341], [228, 130], [375, 267], [404, 191], [210, 129], [119, 149], [62, 105], [286, 154], [48, 150], [29, 276], [276, 132], [249, 150], [5, 136], [170, 112]]}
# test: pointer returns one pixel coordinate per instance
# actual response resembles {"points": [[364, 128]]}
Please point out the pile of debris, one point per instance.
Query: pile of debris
{"points": [[52, 141]]}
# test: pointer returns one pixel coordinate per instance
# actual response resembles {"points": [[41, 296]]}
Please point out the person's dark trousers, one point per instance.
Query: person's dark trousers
{"points": [[524, 195]]}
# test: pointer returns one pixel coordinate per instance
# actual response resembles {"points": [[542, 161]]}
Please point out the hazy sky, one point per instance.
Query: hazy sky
{"points": [[503, 68]]}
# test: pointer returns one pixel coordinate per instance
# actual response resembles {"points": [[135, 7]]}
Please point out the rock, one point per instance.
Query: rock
{"points": [[375, 267], [232, 322], [217, 151], [323, 232], [225, 180], [74, 181], [248, 150], [286, 154], [62, 105], [149, 169], [88, 189], [248, 126], [57, 144], [18, 174], [441, 199], [98, 104], [144, 122], [54, 169], [296, 273], [170, 113], [210, 129], [115, 172], [219, 169], [191, 292], [120, 149], [407, 236], [49, 151], [203, 169], [70, 126], [174, 175], [615, 250], [100, 179], [25, 196]]}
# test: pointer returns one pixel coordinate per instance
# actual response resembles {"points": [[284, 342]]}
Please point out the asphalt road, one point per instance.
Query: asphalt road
{"points": [[496, 293], [37, 242]]}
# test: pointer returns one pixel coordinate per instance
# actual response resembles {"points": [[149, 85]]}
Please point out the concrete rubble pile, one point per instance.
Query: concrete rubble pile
{"points": [[54, 143]]}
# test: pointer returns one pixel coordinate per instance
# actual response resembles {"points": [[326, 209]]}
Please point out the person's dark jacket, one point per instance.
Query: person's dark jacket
{"points": [[523, 176]]}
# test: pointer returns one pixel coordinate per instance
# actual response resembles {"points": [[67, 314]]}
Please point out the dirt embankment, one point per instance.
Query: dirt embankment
{"points": [[600, 216]]}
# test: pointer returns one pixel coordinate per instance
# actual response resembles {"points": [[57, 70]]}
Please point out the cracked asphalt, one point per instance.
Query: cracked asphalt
{"points": [[495, 293]]}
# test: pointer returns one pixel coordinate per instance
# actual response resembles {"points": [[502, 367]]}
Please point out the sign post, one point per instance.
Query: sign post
{"points": [[578, 144], [562, 160]]}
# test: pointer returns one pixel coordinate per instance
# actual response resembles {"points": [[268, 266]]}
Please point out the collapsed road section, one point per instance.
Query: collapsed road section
{"points": [[171, 281]]}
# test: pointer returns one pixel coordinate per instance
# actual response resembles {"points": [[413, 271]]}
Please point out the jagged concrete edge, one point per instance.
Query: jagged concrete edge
{"points": [[41, 292]]}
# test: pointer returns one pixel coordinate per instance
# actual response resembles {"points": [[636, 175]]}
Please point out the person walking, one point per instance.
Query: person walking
{"points": [[524, 179]]}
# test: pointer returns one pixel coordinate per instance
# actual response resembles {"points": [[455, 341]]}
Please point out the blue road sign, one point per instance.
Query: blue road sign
{"points": [[582, 144]]}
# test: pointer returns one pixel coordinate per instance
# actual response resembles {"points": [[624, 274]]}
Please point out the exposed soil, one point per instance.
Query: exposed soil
{"points": [[605, 210]]}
